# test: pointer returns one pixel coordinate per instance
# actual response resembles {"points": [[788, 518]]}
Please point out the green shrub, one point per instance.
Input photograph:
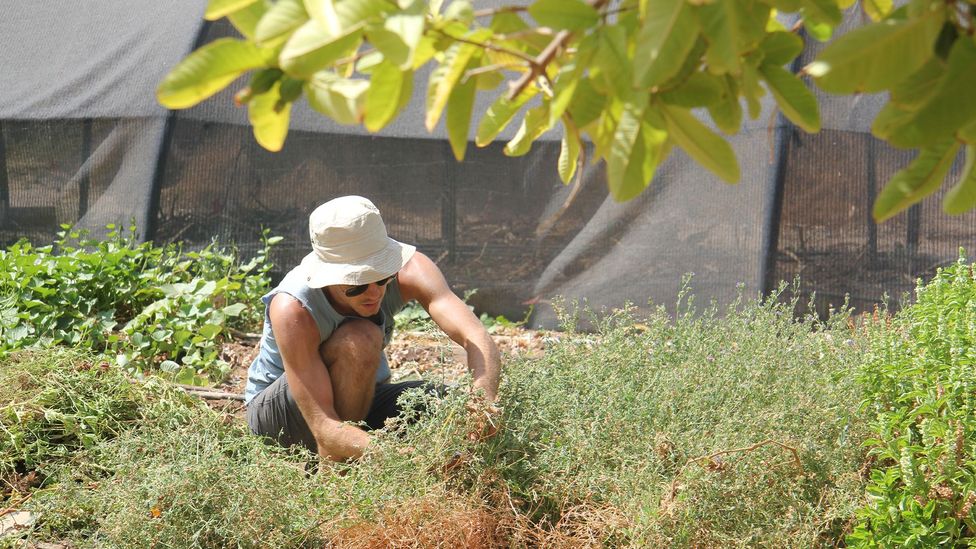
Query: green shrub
{"points": [[920, 390], [617, 417], [55, 403], [207, 484], [143, 305]]}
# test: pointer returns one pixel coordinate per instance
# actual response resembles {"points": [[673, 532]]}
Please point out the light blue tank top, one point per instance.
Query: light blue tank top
{"points": [[268, 367]]}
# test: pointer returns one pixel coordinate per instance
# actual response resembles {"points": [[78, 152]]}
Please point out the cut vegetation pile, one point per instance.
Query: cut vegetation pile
{"points": [[736, 428]]}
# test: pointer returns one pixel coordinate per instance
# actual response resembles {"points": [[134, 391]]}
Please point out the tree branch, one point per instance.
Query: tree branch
{"points": [[488, 12], [538, 65], [489, 46]]}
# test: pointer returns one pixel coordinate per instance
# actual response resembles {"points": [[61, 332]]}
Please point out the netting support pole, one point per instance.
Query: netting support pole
{"points": [[872, 182], [775, 211], [912, 235], [4, 183], [770, 248], [449, 207], [85, 183], [164, 143]]}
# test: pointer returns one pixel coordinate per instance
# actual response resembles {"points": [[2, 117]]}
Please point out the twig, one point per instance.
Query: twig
{"points": [[542, 31], [12, 508], [711, 457], [243, 335], [488, 12], [490, 68], [489, 46], [538, 65]]}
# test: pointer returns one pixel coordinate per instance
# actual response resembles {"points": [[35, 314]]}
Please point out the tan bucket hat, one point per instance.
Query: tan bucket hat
{"points": [[350, 245]]}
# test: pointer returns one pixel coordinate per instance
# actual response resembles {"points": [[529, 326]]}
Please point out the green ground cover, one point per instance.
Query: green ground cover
{"points": [[739, 427]]}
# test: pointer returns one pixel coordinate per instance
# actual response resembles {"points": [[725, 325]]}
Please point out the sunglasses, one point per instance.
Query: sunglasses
{"points": [[360, 289]]}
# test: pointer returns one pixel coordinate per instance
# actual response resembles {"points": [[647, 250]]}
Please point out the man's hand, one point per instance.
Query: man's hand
{"points": [[484, 418]]}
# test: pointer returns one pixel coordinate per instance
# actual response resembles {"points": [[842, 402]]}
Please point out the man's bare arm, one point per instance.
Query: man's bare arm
{"points": [[422, 280], [308, 378]]}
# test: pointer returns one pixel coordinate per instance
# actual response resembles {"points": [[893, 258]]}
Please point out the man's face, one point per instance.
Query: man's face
{"points": [[363, 300]]}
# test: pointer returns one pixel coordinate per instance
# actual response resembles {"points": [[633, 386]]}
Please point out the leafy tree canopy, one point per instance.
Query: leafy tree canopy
{"points": [[634, 77]]}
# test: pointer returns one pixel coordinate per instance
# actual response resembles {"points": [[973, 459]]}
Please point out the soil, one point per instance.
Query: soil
{"points": [[411, 354]]}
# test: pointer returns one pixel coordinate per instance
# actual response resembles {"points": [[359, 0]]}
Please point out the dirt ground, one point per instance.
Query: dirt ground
{"points": [[411, 353]]}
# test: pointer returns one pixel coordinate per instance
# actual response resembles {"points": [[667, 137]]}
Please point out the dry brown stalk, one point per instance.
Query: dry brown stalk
{"points": [[710, 459]]}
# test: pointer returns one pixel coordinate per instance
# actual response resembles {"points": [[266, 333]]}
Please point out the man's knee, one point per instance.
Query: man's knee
{"points": [[357, 339]]}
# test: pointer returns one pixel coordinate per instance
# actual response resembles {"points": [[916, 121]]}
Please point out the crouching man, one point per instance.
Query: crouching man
{"points": [[321, 361]]}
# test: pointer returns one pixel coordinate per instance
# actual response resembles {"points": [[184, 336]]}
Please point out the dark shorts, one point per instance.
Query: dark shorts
{"points": [[274, 413]]}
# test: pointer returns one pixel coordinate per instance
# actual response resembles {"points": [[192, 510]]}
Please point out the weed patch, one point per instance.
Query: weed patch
{"points": [[731, 428], [59, 402], [627, 417]]}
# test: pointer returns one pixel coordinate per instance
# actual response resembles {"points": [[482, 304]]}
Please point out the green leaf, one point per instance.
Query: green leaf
{"points": [[399, 35], [921, 178], [961, 198], [387, 87], [627, 130], [727, 112], [284, 18], [949, 108], [650, 148], [701, 143], [796, 101], [461, 11], [341, 99], [603, 129], [780, 48], [500, 114], [535, 123], [701, 89], [823, 12], [207, 71], [459, 108], [222, 8], [209, 331], [572, 15], [234, 310], [611, 58], [907, 98], [876, 57], [752, 90], [569, 151], [270, 121], [246, 20], [967, 134], [917, 90], [568, 78], [820, 32], [587, 103], [448, 73], [877, 9], [667, 35], [340, 17], [787, 6], [506, 22], [311, 48], [731, 27]]}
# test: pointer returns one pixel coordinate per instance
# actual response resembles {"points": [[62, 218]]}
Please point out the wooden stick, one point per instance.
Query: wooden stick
{"points": [[212, 395]]}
